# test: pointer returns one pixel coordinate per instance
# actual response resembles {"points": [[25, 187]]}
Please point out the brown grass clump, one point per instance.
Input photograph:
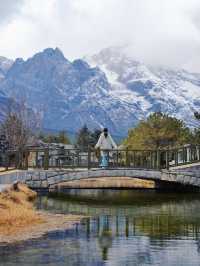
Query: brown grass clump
{"points": [[107, 182], [16, 209]]}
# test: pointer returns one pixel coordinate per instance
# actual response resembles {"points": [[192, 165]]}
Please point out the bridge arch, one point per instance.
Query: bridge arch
{"points": [[48, 179]]}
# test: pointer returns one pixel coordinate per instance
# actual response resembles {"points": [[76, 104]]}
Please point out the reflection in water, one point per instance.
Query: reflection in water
{"points": [[122, 228]]}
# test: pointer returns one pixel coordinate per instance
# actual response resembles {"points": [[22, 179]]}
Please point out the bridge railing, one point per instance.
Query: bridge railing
{"points": [[45, 158], [10, 160], [75, 158], [188, 154]]}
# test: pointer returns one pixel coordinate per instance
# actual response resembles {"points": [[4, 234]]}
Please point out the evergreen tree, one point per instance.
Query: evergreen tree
{"points": [[63, 138], [158, 131], [196, 136], [95, 137], [196, 132], [197, 115], [83, 138]]}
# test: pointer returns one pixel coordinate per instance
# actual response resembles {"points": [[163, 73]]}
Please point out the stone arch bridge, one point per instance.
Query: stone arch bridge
{"points": [[45, 168], [49, 179]]}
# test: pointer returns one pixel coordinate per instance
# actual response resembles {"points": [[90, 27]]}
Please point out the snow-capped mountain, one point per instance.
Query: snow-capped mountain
{"points": [[176, 92], [69, 94], [115, 92]]}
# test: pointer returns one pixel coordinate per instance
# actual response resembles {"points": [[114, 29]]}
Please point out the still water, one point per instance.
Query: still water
{"points": [[121, 228]]}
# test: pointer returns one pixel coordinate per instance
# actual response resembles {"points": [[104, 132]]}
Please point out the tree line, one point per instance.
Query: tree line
{"points": [[84, 138], [158, 131]]}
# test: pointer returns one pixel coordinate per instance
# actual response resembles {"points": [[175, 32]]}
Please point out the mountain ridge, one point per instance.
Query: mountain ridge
{"points": [[176, 92], [108, 89]]}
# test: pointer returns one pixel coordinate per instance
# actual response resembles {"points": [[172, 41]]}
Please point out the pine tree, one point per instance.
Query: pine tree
{"points": [[84, 138], [196, 136], [197, 115], [63, 138], [158, 131], [95, 137]]}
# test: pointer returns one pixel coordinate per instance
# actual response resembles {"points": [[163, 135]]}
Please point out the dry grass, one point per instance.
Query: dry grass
{"points": [[107, 182], [16, 209]]}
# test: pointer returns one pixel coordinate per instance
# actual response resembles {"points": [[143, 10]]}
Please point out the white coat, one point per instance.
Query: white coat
{"points": [[105, 143]]}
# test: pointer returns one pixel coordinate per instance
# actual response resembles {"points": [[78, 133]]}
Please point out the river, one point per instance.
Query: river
{"points": [[122, 227]]}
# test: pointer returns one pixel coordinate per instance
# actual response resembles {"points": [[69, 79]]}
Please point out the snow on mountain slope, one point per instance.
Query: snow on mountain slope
{"points": [[116, 92], [176, 92], [70, 94]]}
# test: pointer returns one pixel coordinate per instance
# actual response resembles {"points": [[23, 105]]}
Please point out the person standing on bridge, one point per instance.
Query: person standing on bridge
{"points": [[105, 144]]}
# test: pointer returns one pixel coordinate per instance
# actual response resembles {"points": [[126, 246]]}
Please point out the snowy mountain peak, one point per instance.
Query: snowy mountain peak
{"points": [[69, 94], [176, 92], [109, 89]]}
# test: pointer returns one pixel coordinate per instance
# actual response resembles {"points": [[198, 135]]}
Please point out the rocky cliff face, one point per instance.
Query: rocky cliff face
{"points": [[115, 91], [176, 92], [4, 105], [69, 94], [5, 65]]}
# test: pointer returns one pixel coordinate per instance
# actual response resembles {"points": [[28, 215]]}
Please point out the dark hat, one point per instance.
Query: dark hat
{"points": [[105, 130]]}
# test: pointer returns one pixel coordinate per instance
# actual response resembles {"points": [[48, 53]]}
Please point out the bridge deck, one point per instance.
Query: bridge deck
{"points": [[189, 166]]}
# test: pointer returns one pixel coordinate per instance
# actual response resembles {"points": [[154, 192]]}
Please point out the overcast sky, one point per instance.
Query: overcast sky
{"points": [[165, 32]]}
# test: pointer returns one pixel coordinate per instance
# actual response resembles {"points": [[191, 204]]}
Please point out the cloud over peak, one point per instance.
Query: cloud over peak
{"points": [[158, 32]]}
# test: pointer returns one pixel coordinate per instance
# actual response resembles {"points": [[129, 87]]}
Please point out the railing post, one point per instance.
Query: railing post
{"points": [[26, 153], [127, 158], [167, 159], [151, 160], [117, 159], [183, 155], [16, 159], [176, 157], [46, 159], [198, 149], [108, 157], [36, 159], [134, 163], [20, 159], [6, 161], [89, 158], [141, 159], [78, 158], [158, 159], [190, 154]]}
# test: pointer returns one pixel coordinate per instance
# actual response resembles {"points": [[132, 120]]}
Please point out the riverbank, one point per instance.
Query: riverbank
{"points": [[20, 221]]}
